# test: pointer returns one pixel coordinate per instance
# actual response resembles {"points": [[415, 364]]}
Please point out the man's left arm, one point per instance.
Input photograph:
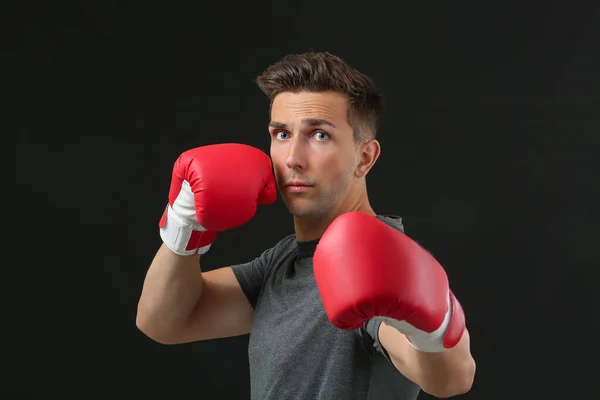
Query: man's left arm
{"points": [[441, 374], [366, 269]]}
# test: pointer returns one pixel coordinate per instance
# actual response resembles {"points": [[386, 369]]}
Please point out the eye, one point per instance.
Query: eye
{"points": [[281, 135], [321, 136]]}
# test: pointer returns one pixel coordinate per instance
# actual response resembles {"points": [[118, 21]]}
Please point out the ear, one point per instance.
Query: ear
{"points": [[368, 155]]}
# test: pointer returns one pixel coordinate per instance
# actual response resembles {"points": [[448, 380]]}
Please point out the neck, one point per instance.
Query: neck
{"points": [[308, 229]]}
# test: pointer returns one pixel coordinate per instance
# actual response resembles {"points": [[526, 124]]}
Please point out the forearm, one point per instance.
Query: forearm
{"points": [[443, 374], [447, 373], [171, 290]]}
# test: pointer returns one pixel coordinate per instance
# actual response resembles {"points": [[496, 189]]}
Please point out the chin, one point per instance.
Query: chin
{"points": [[306, 212]]}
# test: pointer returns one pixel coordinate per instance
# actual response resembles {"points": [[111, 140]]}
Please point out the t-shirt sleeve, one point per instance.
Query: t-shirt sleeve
{"points": [[251, 275]]}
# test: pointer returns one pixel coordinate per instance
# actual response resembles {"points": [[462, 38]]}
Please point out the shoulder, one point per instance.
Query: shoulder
{"points": [[394, 221]]}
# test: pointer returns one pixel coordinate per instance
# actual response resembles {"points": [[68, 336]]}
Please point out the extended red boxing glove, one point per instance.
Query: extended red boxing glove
{"points": [[214, 188], [364, 269]]}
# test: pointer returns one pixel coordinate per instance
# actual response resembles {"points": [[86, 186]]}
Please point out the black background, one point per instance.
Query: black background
{"points": [[490, 140]]}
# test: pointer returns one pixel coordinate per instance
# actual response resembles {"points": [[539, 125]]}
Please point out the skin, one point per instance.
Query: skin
{"points": [[312, 141]]}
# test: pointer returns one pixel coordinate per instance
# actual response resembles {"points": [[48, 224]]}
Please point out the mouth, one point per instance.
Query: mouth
{"points": [[298, 186]]}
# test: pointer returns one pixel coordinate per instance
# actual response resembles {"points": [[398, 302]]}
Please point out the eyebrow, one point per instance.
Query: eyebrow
{"points": [[307, 121]]}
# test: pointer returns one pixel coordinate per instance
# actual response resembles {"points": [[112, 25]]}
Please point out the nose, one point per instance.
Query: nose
{"points": [[296, 157]]}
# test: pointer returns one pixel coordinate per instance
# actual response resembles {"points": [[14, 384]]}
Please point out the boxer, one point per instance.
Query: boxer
{"points": [[348, 306]]}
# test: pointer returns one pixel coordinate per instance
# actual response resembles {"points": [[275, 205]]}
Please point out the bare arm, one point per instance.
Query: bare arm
{"points": [[180, 304], [442, 375]]}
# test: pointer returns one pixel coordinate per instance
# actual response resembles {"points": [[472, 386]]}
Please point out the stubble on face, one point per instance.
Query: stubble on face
{"points": [[326, 196]]}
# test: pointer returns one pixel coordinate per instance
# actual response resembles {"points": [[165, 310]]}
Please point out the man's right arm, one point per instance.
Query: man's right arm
{"points": [[208, 194], [180, 303]]}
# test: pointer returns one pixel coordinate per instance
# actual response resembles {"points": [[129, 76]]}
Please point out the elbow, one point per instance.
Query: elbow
{"points": [[468, 376], [456, 388], [148, 326], [152, 333], [458, 383]]}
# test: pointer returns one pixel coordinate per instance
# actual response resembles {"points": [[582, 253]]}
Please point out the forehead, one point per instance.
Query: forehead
{"points": [[289, 106]]}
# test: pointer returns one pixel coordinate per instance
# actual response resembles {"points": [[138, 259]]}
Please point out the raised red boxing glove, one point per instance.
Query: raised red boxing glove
{"points": [[364, 268], [214, 188]]}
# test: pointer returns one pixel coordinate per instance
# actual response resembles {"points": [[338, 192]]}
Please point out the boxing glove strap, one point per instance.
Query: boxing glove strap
{"points": [[181, 237]]}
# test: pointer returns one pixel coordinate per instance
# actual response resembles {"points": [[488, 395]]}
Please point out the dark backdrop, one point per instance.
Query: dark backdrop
{"points": [[488, 153]]}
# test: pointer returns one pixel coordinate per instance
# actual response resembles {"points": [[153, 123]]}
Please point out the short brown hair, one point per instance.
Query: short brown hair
{"points": [[325, 72]]}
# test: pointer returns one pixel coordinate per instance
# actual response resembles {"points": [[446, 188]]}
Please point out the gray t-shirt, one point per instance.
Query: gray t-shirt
{"points": [[295, 353]]}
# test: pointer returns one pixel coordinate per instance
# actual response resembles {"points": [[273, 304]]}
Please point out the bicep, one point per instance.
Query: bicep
{"points": [[226, 307], [223, 309]]}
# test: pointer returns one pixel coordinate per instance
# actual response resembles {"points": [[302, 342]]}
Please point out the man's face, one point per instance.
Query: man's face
{"points": [[313, 151]]}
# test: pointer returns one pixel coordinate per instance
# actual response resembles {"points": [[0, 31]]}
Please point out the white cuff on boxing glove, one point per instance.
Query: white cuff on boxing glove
{"points": [[179, 229], [176, 233], [430, 342]]}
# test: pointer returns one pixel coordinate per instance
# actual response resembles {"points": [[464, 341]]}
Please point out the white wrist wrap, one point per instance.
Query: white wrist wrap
{"points": [[176, 234]]}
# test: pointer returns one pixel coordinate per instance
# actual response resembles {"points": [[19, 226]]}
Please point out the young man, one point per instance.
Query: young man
{"points": [[346, 308]]}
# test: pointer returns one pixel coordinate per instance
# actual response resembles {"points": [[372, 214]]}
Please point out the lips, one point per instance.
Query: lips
{"points": [[297, 183], [297, 186]]}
